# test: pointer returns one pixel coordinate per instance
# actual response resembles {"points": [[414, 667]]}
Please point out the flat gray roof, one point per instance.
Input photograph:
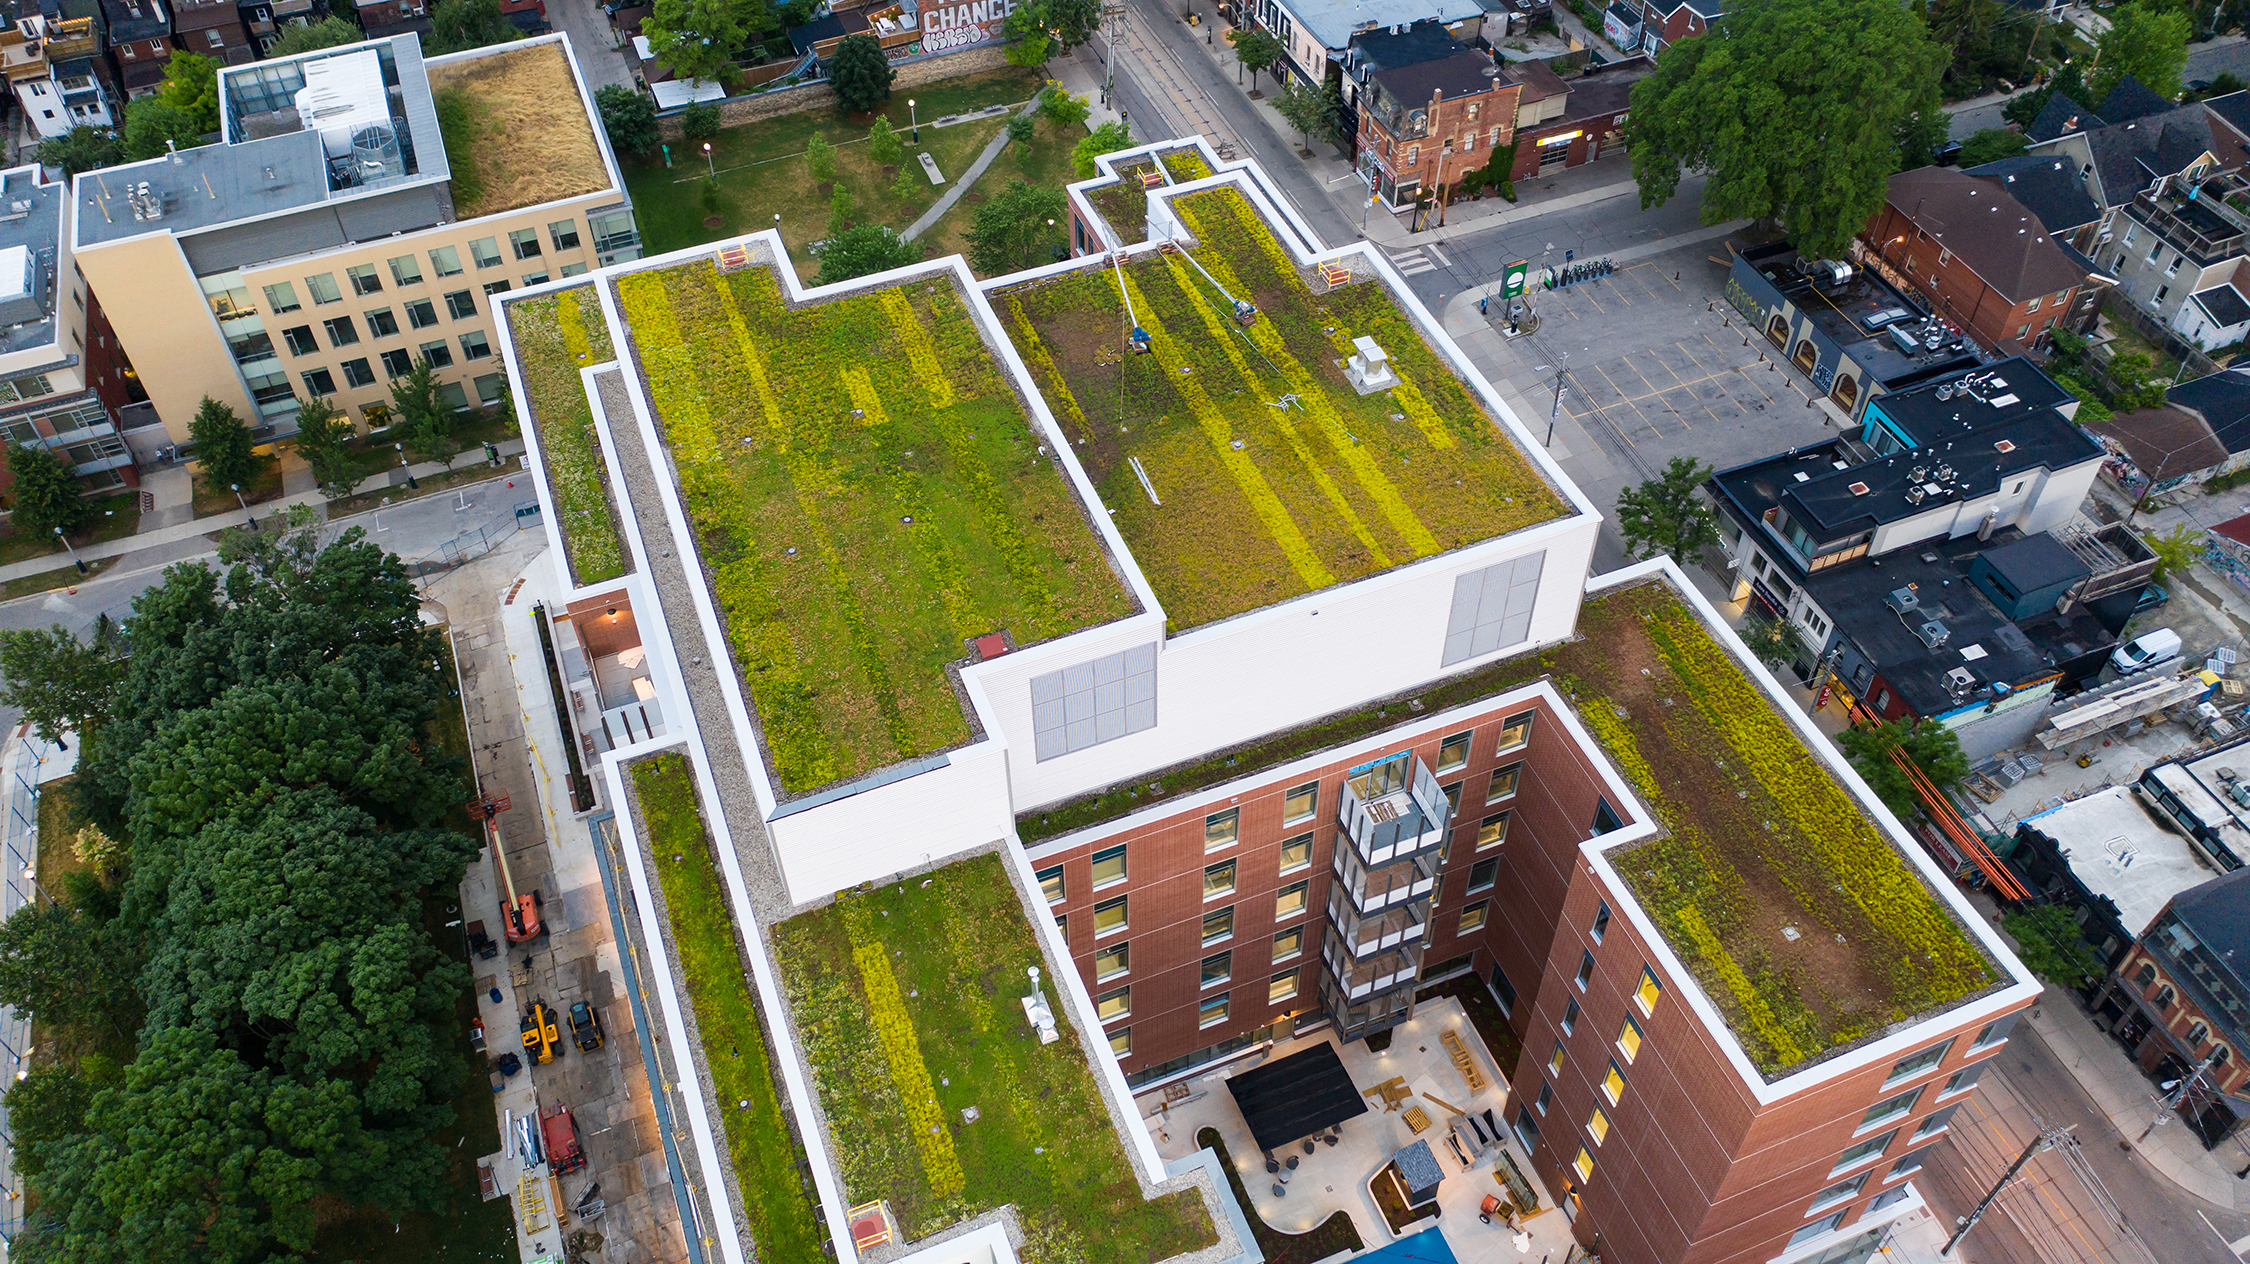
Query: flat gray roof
{"points": [[31, 217], [2117, 849]]}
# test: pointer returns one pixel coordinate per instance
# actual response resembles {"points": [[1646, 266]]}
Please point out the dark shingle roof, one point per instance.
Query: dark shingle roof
{"points": [[2165, 443], [2129, 100], [2234, 107], [2060, 117], [2224, 304], [1986, 228], [2129, 156], [1461, 75], [2224, 400], [2047, 186], [2219, 914]]}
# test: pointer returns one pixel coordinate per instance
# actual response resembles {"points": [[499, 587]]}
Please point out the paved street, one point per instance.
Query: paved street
{"points": [[2205, 61]]}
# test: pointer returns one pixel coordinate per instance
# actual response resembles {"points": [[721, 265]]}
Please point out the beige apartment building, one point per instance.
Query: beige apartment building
{"points": [[330, 240]]}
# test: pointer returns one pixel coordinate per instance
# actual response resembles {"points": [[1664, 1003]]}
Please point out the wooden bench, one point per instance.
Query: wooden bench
{"points": [[1151, 178], [1336, 273], [1462, 1061]]}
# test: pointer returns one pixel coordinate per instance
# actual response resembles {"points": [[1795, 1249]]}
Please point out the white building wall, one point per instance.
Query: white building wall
{"points": [[2047, 499], [914, 821]]}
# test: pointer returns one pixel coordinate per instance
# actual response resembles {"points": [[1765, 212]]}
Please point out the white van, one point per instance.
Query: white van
{"points": [[2145, 651]]}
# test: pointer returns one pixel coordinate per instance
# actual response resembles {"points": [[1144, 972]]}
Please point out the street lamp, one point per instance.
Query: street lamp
{"points": [[913, 122], [237, 488], [708, 165], [73, 552], [404, 466]]}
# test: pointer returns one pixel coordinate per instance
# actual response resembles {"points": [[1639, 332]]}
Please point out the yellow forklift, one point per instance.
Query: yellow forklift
{"points": [[540, 1035]]}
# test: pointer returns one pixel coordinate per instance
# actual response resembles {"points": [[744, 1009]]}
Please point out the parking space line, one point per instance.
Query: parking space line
{"points": [[1650, 422], [1659, 271], [1597, 306], [1690, 389]]}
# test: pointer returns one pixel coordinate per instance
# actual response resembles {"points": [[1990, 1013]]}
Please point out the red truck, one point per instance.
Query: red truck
{"points": [[560, 1133]]}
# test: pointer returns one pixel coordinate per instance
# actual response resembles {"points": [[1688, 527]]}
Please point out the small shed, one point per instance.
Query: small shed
{"points": [[1418, 1170]]}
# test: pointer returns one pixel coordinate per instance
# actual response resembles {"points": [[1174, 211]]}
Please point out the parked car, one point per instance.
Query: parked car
{"points": [[585, 1027], [2151, 597], [2146, 651]]}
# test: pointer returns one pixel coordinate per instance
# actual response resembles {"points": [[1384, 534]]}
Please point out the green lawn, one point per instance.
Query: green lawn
{"points": [[1042, 162], [555, 337], [1260, 503], [111, 518], [907, 1002], [263, 486], [766, 1157], [867, 496], [762, 170]]}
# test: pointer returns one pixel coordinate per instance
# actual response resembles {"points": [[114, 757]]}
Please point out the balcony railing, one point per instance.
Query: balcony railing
{"points": [[1392, 808]]}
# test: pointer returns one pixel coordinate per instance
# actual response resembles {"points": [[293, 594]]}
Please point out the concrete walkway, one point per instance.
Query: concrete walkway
{"points": [[199, 527], [967, 178]]}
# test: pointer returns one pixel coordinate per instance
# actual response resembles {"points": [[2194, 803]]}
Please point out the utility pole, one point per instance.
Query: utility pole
{"points": [[1115, 14], [2168, 1106], [2047, 1139], [1560, 371]]}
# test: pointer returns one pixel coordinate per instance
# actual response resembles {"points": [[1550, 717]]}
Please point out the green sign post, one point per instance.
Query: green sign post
{"points": [[1516, 277]]}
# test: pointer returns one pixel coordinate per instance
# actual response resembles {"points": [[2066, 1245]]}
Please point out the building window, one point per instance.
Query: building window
{"points": [[1218, 925], [2161, 291], [397, 363], [526, 243], [1889, 1108], [2163, 1001], [1290, 900], [1296, 853], [1299, 804], [381, 324], [1116, 1003], [1583, 1164], [1629, 1039], [1483, 874], [571, 270], [1601, 921], [1613, 1084], [1492, 830], [1824, 1225], [1908, 1164], [1289, 943], [1452, 794], [1585, 970], [1222, 829], [1555, 1059], [1121, 1042], [1597, 1125], [1051, 884], [534, 278], [1645, 995], [461, 305], [1516, 733], [486, 252], [445, 261], [1109, 916], [1472, 917], [1453, 752], [495, 287], [1909, 1067], [1935, 1122], [341, 331], [364, 279], [1211, 1012], [474, 346], [421, 314], [1217, 969], [323, 289], [564, 232], [1570, 1018], [281, 297], [1109, 867], [439, 354], [1503, 783], [1218, 880], [1505, 989], [2195, 1035], [1963, 1080], [358, 373], [1281, 987], [1527, 1129], [1862, 1151], [406, 270], [1491, 609], [300, 340], [1112, 961], [318, 382]]}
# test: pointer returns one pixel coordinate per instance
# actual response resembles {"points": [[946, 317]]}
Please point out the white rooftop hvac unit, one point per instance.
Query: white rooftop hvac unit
{"points": [[343, 99]]}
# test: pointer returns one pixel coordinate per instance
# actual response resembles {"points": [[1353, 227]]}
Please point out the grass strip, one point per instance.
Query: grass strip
{"points": [[554, 340], [765, 1153]]}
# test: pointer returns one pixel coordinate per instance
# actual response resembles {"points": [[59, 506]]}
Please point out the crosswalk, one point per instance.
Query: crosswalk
{"points": [[1427, 257]]}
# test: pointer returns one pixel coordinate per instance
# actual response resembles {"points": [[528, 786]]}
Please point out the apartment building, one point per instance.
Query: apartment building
{"points": [[1984, 261], [323, 246], [1288, 758], [1425, 124], [1317, 35], [63, 380], [49, 60]]}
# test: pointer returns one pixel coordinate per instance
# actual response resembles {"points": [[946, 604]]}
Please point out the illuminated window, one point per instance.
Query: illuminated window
{"points": [[1218, 879], [1503, 784], [1109, 867], [1121, 1042], [1472, 917], [1300, 803], [1281, 987], [1051, 884], [1221, 829], [1649, 990], [1290, 900], [1109, 916], [1583, 1164], [1453, 752], [1492, 831], [1516, 733], [1212, 1012], [1114, 1004], [1613, 1084], [1597, 1125], [1218, 925], [1555, 1060], [1112, 961], [1296, 853], [1629, 1039], [1289, 943]]}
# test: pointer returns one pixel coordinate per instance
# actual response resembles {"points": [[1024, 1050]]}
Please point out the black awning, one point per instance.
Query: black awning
{"points": [[1297, 1096]]}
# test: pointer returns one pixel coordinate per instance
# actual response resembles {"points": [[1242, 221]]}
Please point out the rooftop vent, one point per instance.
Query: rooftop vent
{"points": [[1901, 600], [1859, 489], [2005, 445], [1933, 634], [1960, 679]]}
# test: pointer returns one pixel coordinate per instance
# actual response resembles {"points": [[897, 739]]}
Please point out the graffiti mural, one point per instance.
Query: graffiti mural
{"points": [[1752, 310]]}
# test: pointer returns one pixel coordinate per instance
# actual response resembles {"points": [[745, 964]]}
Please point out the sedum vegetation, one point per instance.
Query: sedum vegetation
{"points": [[557, 335]]}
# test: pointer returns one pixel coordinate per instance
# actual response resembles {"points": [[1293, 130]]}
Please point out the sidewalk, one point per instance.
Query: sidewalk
{"points": [[196, 528], [2117, 1086]]}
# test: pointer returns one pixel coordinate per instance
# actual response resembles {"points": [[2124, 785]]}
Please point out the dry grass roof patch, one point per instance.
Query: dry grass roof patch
{"points": [[516, 131], [1758, 834], [1276, 477], [867, 495]]}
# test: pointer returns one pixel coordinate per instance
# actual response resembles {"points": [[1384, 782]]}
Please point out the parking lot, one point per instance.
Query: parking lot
{"points": [[1658, 366]]}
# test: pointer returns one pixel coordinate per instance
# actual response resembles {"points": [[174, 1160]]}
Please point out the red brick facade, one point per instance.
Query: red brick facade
{"points": [[1459, 138]]}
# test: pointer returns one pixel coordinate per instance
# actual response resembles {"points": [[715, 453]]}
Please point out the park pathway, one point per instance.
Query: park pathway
{"points": [[967, 179]]}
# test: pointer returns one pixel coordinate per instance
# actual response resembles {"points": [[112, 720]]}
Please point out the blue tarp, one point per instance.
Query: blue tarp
{"points": [[1426, 1247]]}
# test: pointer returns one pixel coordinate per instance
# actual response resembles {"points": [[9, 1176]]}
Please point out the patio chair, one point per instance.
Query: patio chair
{"points": [[1292, 1163], [1308, 1145], [1272, 1166], [1279, 1192]]}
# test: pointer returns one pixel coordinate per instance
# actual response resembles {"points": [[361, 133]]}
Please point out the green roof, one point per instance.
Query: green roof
{"points": [[1275, 476], [555, 336], [908, 1006], [866, 496]]}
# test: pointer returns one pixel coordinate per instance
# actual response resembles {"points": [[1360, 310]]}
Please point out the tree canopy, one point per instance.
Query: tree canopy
{"points": [[223, 445], [1042, 29], [1667, 514], [1931, 746], [330, 32], [1255, 49], [322, 436], [1991, 145], [629, 118], [58, 681], [1108, 138], [699, 39], [860, 73], [81, 148], [150, 122], [45, 493], [1794, 108], [267, 758], [459, 25], [863, 249], [2145, 41], [2049, 941], [1010, 225], [191, 86]]}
